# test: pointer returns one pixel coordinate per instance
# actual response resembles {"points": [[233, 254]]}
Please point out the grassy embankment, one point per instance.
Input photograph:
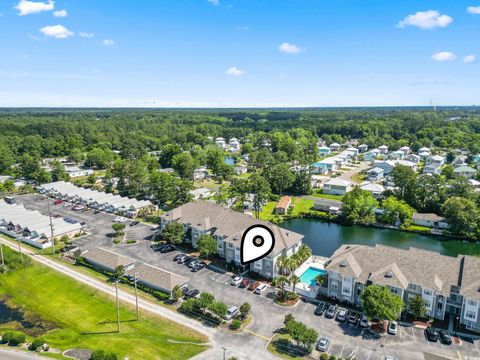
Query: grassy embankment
{"points": [[84, 318]]}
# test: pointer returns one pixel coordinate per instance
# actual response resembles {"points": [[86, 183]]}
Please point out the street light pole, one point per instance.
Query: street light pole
{"points": [[224, 352], [51, 226], [118, 305], [1, 252], [136, 295], [20, 250]]}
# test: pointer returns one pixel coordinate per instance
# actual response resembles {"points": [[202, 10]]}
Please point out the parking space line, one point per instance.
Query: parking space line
{"points": [[341, 352], [413, 334], [476, 347]]}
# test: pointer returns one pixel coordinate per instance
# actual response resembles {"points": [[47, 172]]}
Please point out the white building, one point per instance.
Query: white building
{"points": [[337, 186]]}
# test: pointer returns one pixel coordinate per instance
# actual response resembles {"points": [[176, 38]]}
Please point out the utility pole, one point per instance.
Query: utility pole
{"points": [[224, 352], [20, 250], [136, 295], [118, 305], [1, 252], [51, 226]]}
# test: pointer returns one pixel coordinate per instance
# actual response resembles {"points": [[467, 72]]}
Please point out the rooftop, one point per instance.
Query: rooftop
{"points": [[284, 202], [107, 258], [158, 277]]}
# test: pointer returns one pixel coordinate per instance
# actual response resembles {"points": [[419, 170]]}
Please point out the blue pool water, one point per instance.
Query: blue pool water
{"points": [[308, 277], [229, 160]]}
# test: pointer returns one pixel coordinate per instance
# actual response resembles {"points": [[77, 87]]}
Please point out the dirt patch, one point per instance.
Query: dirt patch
{"points": [[78, 354]]}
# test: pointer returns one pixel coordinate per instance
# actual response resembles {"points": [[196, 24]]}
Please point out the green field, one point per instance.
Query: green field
{"points": [[299, 206], [84, 318]]}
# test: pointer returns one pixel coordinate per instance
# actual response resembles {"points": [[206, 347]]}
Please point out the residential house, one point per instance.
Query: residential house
{"points": [[474, 183], [396, 155], [249, 203], [324, 151], [75, 171], [201, 193], [405, 150], [383, 149], [328, 205], [200, 173], [337, 186], [167, 170], [436, 160], [429, 220], [107, 260], [371, 155], [432, 169], [335, 147], [220, 142], [352, 152], [325, 166], [375, 174], [460, 160], [227, 227], [424, 153], [448, 285], [283, 205], [240, 170], [362, 148], [476, 158], [465, 171], [413, 158], [375, 189], [234, 145]]}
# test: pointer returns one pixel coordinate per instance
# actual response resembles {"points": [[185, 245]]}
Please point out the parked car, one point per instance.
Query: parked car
{"points": [[193, 263], [352, 317], [245, 283], [178, 256], [431, 334], [231, 312], [322, 344], [253, 285], [133, 223], [66, 204], [320, 309], [445, 338], [189, 260], [58, 202], [388, 357], [120, 219], [364, 321], [342, 315], [330, 313], [192, 293], [183, 259], [167, 248], [260, 289], [199, 266], [78, 207], [392, 328], [236, 281]]}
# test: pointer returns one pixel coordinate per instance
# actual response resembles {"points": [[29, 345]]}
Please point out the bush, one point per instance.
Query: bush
{"points": [[324, 356], [235, 324], [332, 357], [103, 355], [37, 343], [17, 339], [7, 336]]}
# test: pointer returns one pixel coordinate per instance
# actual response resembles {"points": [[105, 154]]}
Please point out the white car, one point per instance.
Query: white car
{"points": [[322, 344], [392, 328], [364, 321], [388, 357], [342, 315], [236, 281], [120, 219], [231, 312], [260, 289]]}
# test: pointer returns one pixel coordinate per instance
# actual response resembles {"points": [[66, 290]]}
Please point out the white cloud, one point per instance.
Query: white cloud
{"points": [[444, 56], [469, 59], [289, 48], [108, 42], [234, 71], [474, 10], [60, 13], [214, 2], [85, 34], [26, 7], [57, 31], [430, 19]]}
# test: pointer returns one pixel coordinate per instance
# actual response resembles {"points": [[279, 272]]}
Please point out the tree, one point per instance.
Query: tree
{"points": [[218, 308], [447, 172], [417, 307], [244, 310], [184, 164], [396, 211], [379, 302], [177, 293], [288, 317], [280, 282], [167, 154], [359, 207], [462, 216], [214, 157], [103, 355], [173, 233], [162, 187], [260, 189], [181, 192], [281, 177], [119, 271], [205, 300], [404, 179], [301, 334], [118, 228], [207, 245], [9, 185], [294, 280], [430, 193], [460, 187]]}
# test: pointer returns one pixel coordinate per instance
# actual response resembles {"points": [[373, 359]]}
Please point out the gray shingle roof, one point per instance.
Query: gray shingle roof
{"points": [[228, 223], [471, 278], [107, 258], [428, 269], [157, 277]]}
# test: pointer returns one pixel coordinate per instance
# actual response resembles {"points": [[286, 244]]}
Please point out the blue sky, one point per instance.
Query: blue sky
{"points": [[200, 53]]}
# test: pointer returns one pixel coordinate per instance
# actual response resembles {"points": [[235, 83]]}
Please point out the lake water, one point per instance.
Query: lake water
{"points": [[324, 238]]}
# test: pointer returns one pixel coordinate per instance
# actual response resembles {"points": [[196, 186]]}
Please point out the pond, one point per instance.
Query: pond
{"points": [[17, 319], [324, 238]]}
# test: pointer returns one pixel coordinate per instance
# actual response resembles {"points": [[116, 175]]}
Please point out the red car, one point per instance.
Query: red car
{"points": [[58, 202], [245, 283], [254, 285]]}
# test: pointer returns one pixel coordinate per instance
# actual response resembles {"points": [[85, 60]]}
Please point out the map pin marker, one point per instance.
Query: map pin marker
{"points": [[257, 242]]}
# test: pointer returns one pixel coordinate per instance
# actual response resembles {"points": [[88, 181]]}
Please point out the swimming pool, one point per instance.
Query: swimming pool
{"points": [[309, 275]]}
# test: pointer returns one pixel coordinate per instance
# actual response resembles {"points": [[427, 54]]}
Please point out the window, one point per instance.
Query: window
{"points": [[472, 303], [427, 292], [440, 306], [470, 315], [334, 285], [230, 246]]}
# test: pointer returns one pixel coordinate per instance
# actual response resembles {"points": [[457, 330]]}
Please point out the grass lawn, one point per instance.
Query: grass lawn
{"points": [[301, 206], [85, 318], [327, 196], [268, 210], [282, 347]]}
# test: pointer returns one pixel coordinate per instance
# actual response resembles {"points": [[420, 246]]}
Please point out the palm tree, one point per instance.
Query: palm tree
{"points": [[294, 280], [281, 262], [281, 281], [304, 252]]}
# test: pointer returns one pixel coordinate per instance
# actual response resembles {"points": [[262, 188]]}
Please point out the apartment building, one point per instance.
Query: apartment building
{"points": [[227, 227], [448, 285]]}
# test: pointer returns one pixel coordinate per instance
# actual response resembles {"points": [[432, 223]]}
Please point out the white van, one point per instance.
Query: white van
{"points": [[231, 312], [260, 289]]}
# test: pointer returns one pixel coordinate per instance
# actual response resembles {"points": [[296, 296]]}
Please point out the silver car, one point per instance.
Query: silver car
{"points": [[322, 344]]}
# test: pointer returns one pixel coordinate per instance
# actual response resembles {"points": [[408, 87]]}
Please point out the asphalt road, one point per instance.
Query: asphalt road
{"points": [[17, 355]]}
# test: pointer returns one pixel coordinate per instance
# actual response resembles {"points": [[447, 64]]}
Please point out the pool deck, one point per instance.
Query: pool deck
{"points": [[316, 262]]}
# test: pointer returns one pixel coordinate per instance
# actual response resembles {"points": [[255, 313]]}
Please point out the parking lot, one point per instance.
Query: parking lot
{"points": [[346, 340]]}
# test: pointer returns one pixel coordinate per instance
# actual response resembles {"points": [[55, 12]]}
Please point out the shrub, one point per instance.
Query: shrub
{"points": [[324, 356], [332, 357], [37, 343], [7, 336], [17, 339], [103, 355], [235, 324]]}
